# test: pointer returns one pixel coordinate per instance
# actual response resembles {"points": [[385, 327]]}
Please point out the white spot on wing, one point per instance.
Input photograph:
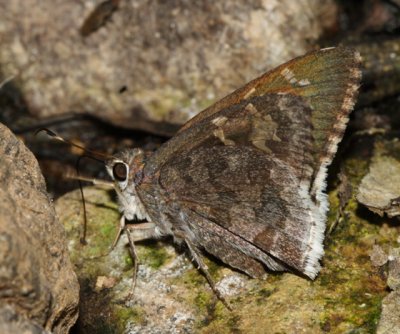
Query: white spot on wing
{"points": [[304, 82], [328, 48], [249, 93], [289, 75], [219, 133], [251, 109], [220, 120]]}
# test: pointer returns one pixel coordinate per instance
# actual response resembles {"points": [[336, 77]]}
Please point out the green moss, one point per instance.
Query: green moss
{"points": [[233, 322], [193, 278], [203, 300], [355, 169], [373, 315], [122, 315], [154, 255], [355, 314], [351, 289], [220, 311], [263, 294], [108, 230], [273, 278], [221, 321], [214, 268], [128, 262]]}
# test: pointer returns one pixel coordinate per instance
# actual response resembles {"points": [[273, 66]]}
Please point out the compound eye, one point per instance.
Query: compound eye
{"points": [[120, 172]]}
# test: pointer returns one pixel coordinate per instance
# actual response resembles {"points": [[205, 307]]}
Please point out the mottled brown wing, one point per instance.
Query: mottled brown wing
{"points": [[326, 80], [250, 171], [255, 203], [249, 180]]}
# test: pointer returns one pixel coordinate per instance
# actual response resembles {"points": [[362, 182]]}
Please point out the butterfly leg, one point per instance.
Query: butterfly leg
{"points": [[135, 259], [120, 229], [139, 232], [135, 232], [142, 231], [204, 269]]}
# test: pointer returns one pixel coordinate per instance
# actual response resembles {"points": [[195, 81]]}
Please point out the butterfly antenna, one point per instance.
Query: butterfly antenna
{"points": [[82, 239], [101, 157]]}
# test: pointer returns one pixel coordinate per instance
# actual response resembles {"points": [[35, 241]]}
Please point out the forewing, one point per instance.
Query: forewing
{"points": [[327, 82], [277, 125]]}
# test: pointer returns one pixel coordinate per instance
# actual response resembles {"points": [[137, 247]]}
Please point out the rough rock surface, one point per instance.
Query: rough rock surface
{"points": [[389, 322], [378, 256], [173, 57], [380, 188], [38, 288], [393, 280], [171, 296], [12, 322], [379, 192]]}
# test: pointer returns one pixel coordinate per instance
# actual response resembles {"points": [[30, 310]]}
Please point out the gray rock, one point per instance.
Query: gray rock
{"points": [[389, 322], [380, 188], [378, 256], [38, 287], [12, 322], [393, 280], [174, 57]]}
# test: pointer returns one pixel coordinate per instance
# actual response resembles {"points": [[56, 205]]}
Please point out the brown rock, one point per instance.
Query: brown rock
{"points": [[380, 188], [38, 288], [172, 58], [393, 280], [12, 322], [389, 323], [378, 256]]}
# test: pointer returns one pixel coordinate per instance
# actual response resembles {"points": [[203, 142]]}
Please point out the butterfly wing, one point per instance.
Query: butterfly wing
{"points": [[245, 178], [327, 80]]}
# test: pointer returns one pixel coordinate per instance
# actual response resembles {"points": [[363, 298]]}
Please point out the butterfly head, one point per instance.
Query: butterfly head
{"points": [[126, 170]]}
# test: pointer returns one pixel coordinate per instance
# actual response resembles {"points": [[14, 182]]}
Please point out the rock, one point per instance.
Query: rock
{"points": [[380, 188], [153, 64], [379, 192], [171, 295], [378, 256], [393, 280], [38, 287], [12, 322], [380, 65], [389, 322]]}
